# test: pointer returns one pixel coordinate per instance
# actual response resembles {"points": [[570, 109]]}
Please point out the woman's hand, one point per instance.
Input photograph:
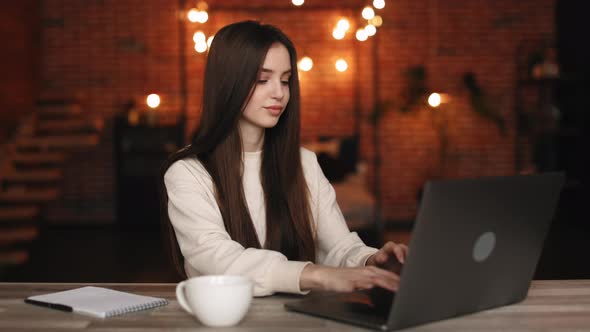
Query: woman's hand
{"points": [[347, 279], [389, 250]]}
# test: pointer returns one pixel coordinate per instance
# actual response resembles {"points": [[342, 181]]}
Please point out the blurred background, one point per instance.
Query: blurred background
{"points": [[95, 94]]}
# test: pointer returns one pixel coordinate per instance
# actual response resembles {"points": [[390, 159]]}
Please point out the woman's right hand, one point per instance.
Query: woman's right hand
{"points": [[347, 279]]}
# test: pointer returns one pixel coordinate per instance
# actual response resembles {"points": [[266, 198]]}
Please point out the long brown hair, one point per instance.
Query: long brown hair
{"points": [[232, 69]]}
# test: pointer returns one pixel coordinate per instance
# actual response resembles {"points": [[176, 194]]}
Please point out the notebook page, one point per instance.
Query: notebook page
{"points": [[100, 302]]}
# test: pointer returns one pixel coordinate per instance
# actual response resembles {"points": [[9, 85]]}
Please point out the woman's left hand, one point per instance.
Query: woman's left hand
{"points": [[390, 249]]}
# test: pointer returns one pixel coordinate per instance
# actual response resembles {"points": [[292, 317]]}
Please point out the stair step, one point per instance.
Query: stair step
{"points": [[29, 160], [62, 142], [10, 236], [58, 110], [8, 214], [69, 126], [14, 257], [36, 176], [28, 196]]}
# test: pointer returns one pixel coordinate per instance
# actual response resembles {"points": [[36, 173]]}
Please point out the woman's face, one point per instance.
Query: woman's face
{"points": [[271, 91]]}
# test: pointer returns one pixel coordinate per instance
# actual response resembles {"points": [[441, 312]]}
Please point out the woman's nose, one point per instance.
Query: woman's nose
{"points": [[277, 90]]}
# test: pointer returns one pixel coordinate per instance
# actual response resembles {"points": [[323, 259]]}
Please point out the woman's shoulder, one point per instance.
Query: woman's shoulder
{"points": [[309, 164], [186, 169], [308, 157]]}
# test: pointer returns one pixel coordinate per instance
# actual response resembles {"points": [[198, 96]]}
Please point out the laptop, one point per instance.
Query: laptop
{"points": [[475, 246]]}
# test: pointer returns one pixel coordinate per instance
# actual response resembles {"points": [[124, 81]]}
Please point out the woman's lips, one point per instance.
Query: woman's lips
{"points": [[275, 110]]}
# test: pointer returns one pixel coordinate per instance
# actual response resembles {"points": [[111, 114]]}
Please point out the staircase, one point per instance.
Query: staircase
{"points": [[31, 171]]}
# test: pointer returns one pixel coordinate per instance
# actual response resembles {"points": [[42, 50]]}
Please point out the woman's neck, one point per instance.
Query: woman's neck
{"points": [[252, 137]]}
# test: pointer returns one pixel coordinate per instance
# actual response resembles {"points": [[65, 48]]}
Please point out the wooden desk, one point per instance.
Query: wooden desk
{"points": [[550, 306]]}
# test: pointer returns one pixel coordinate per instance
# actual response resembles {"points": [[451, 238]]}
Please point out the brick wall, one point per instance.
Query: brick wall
{"points": [[108, 52], [19, 32]]}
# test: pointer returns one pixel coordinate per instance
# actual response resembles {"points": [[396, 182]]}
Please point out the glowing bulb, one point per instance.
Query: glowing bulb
{"points": [[202, 6], [341, 65], [361, 35], [201, 46], [368, 13], [193, 14], [153, 100], [305, 63], [370, 30], [298, 2], [379, 4], [376, 21], [338, 33], [202, 17], [434, 99], [198, 36], [343, 24], [209, 41]]}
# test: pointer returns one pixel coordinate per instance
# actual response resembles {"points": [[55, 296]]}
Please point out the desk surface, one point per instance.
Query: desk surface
{"points": [[562, 305]]}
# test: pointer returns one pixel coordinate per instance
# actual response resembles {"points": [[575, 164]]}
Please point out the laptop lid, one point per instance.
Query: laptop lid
{"points": [[475, 245]]}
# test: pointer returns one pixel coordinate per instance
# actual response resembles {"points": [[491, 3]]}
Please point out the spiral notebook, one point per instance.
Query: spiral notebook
{"points": [[96, 301]]}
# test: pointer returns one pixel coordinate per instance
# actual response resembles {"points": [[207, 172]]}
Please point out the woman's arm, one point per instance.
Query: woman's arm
{"points": [[347, 263], [208, 248], [336, 244]]}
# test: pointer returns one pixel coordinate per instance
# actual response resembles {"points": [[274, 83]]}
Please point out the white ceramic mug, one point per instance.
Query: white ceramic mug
{"points": [[217, 300]]}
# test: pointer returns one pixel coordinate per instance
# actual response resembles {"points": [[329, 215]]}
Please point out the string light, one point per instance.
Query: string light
{"points": [[198, 36], [201, 46], [379, 4], [298, 2], [341, 65], [193, 15], [434, 100], [202, 16], [153, 100], [368, 13], [343, 24], [202, 6], [370, 30], [305, 63], [376, 21], [361, 35], [338, 33], [209, 41]]}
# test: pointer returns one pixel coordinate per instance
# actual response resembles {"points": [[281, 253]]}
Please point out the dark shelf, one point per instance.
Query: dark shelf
{"points": [[139, 153]]}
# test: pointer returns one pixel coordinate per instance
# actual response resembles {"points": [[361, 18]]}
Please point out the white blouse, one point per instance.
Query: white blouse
{"points": [[208, 248]]}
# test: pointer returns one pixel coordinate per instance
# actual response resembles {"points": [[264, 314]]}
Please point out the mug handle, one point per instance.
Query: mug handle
{"points": [[181, 298]]}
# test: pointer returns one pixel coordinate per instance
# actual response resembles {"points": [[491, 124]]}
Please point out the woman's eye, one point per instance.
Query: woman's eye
{"points": [[262, 81], [285, 82]]}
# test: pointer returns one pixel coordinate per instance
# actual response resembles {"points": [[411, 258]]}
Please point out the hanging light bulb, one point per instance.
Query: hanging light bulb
{"points": [[370, 30], [361, 35], [198, 36], [343, 24], [338, 33], [376, 21], [202, 6], [368, 13], [434, 100], [202, 16], [379, 4], [341, 65], [201, 46], [298, 2], [305, 63], [153, 100], [193, 14]]}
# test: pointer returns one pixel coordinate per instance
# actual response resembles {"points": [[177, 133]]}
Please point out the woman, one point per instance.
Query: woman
{"points": [[244, 198]]}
